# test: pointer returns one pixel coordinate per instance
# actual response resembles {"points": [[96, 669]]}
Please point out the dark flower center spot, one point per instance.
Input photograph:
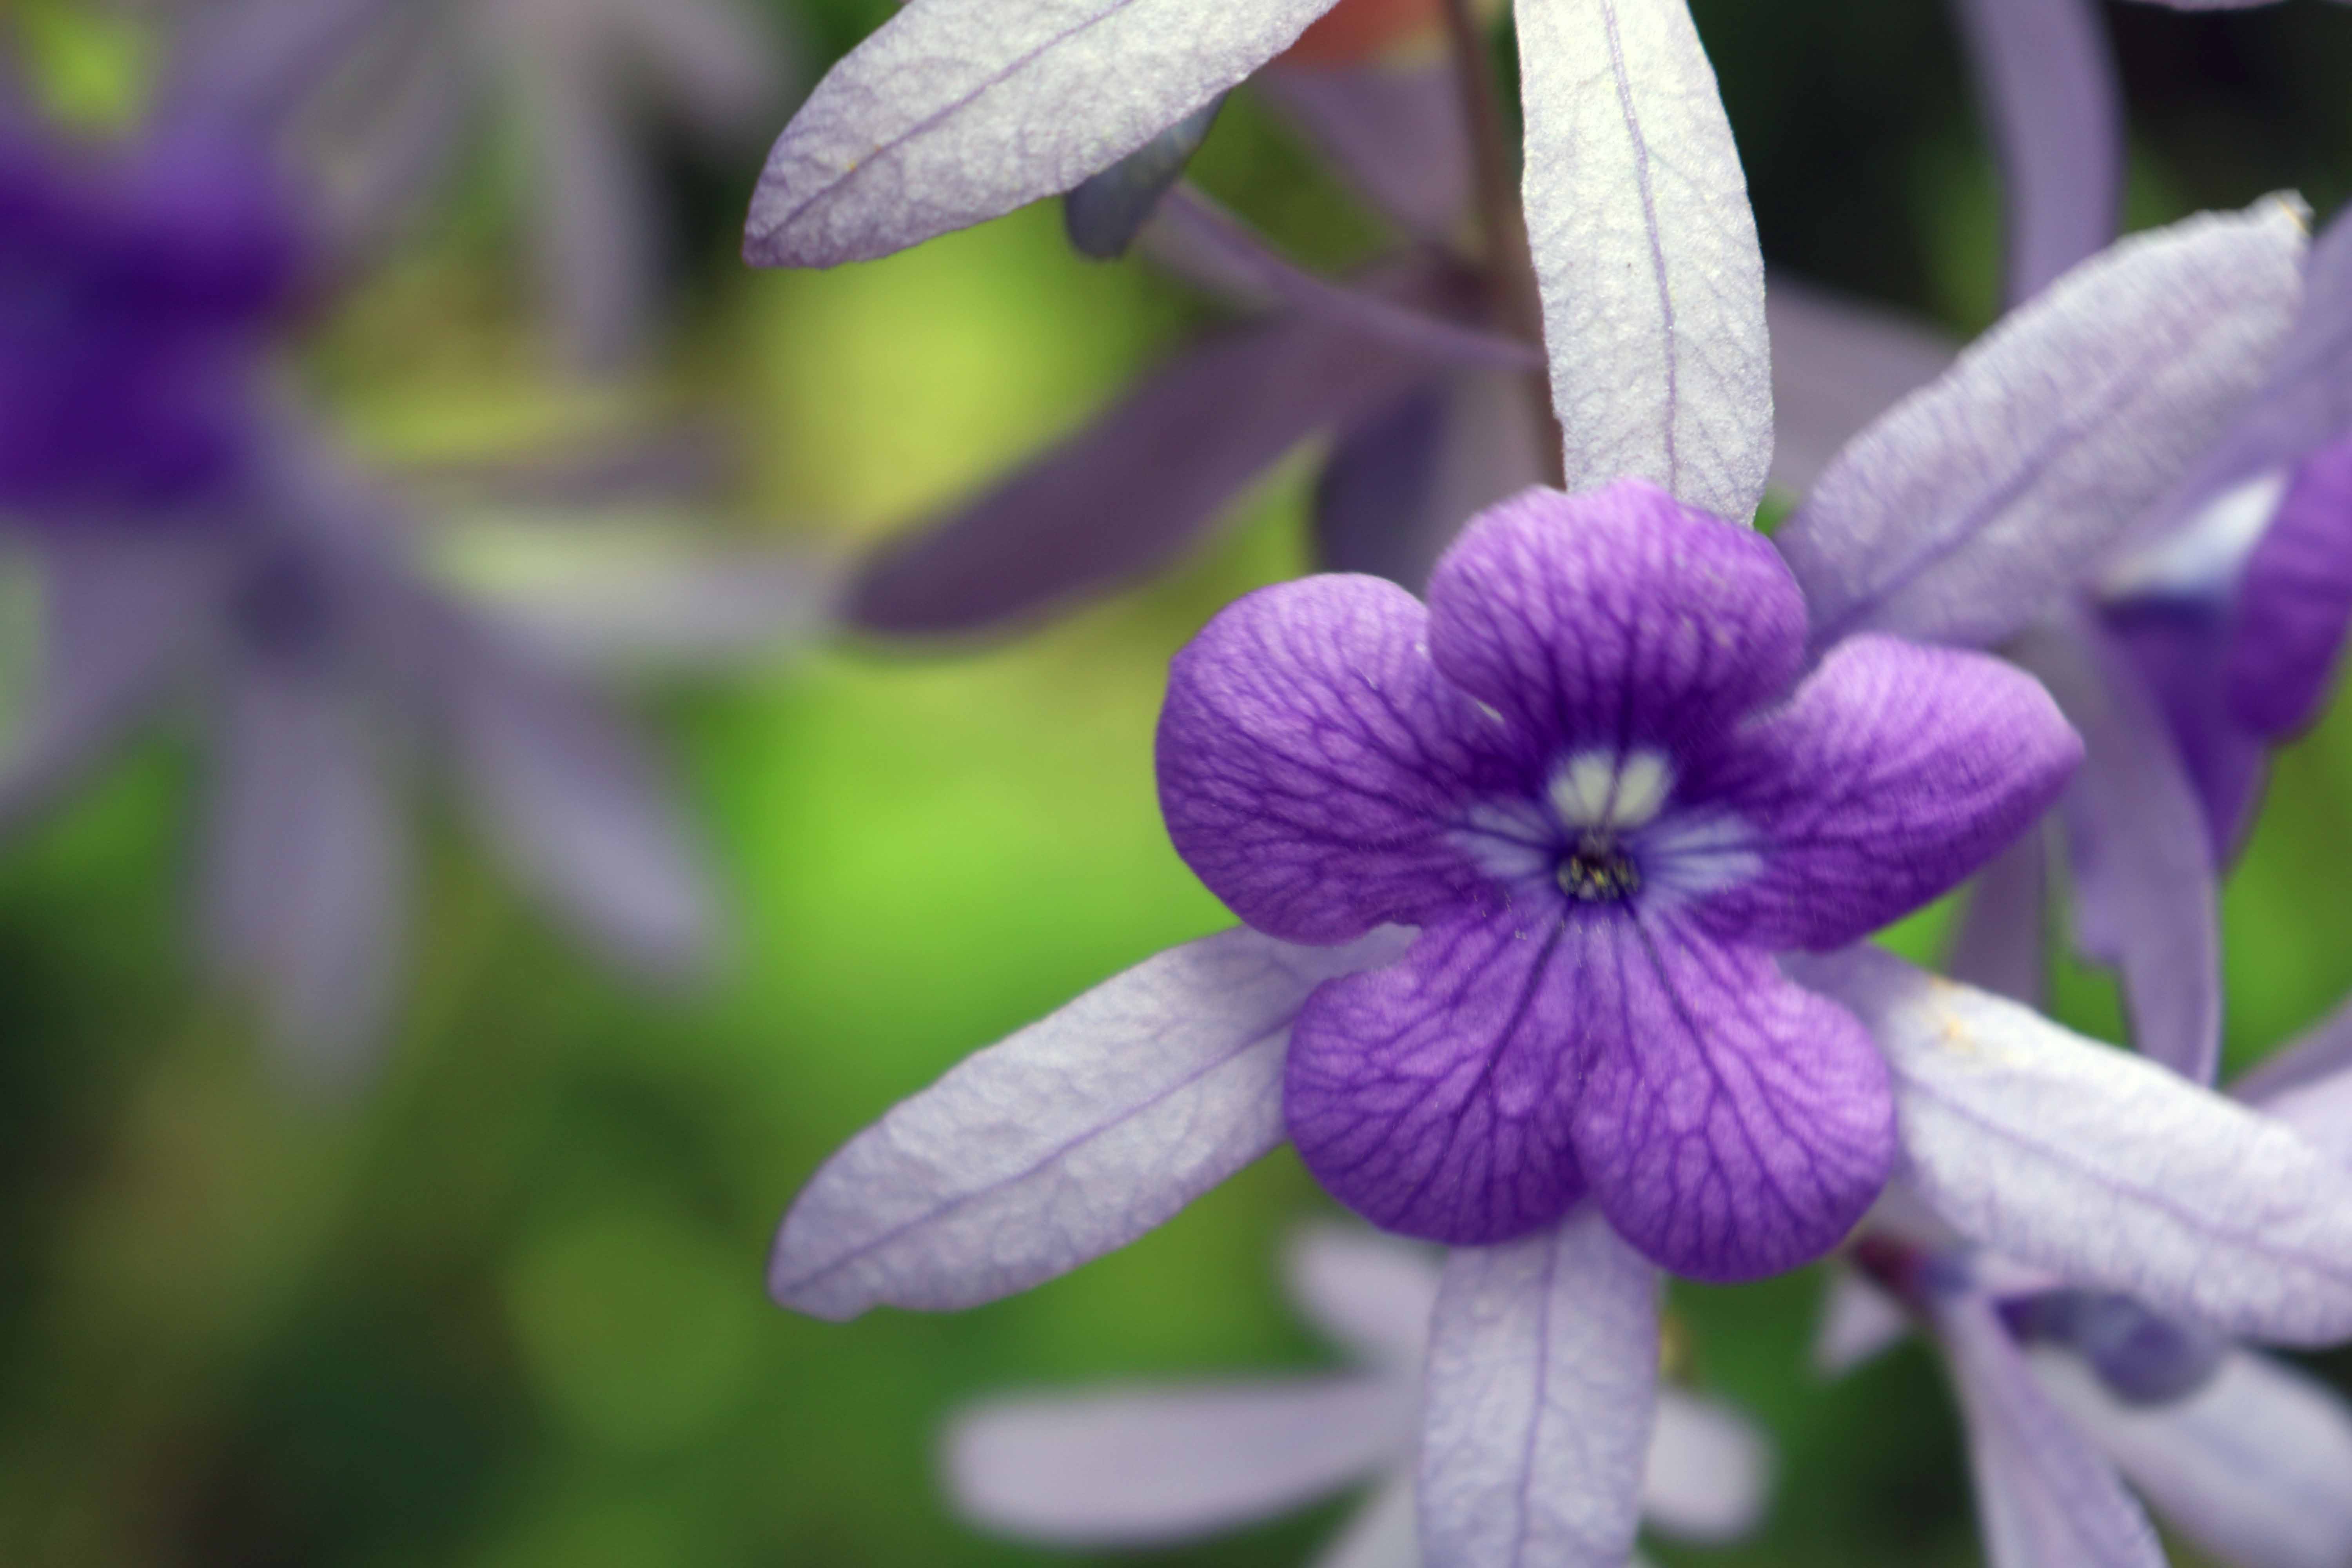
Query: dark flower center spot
{"points": [[1599, 871]]}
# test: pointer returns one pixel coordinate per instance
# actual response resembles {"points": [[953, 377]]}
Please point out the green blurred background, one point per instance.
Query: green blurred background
{"points": [[505, 1310]]}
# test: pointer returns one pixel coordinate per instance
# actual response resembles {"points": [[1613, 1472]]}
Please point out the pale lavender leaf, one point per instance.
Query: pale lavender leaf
{"points": [[597, 231], [2046, 74], [2101, 1166], [957, 111], [1859, 1321], [1645, 251], [1138, 1467], [1130, 491], [1070, 1138], [2305, 401], [117, 621], [1709, 1468], [304, 883], [1370, 1291], [1201, 238], [1541, 1382], [2146, 893], [580, 809], [1837, 365], [2003, 942], [2045, 1497], [2320, 1109], [1977, 503], [2255, 1467], [1395, 130]]}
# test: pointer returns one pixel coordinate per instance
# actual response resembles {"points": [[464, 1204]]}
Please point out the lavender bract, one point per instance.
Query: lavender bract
{"points": [[1583, 773]]}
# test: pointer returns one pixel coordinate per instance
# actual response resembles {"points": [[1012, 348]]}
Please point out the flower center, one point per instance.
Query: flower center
{"points": [[1598, 870]]}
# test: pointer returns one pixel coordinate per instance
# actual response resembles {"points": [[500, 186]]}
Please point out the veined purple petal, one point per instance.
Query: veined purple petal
{"points": [[2045, 1497], [1976, 504], [1071, 1138], [956, 111], [1708, 1469], [1138, 1467], [1893, 773], [2046, 73], [1731, 1124], [2099, 1165], [2145, 888], [1645, 250], [1542, 1377], [1373, 1293], [1315, 768], [1837, 365], [1618, 616], [1133, 489], [2256, 1467], [1432, 1097], [2004, 943], [2295, 602], [1394, 132]]}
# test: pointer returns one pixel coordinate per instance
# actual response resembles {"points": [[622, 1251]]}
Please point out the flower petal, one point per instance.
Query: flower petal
{"points": [[1542, 1377], [580, 809], [1384, 1533], [1894, 773], [1138, 1467], [1731, 1124], [1314, 767], [1102, 214], [2146, 895], [2003, 942], [1373, 1293], [1086, 518], [956, 111], [2299, 408], [1400, 487], [1975, 504], [2321, 1110], [2255, 1467], [1645, 250], [1618, 616], [2045, 1497], [1071, 1138], [1859, 1322], [305, 886], [1708, 1469], [2295, 602], [2180, 652], [2047, 74], [116, 623], [1429, 1096], [1395, 131], [1837, 365], [2101, 1166]]}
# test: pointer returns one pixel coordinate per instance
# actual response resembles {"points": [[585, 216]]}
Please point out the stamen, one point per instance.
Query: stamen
{"points": [[1599, 871]]}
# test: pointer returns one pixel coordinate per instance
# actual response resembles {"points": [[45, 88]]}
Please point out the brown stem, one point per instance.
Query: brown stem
{"points": [[1509, 265]]}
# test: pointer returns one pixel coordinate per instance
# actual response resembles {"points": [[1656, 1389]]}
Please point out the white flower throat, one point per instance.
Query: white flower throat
{"points": [[1598, 798]]}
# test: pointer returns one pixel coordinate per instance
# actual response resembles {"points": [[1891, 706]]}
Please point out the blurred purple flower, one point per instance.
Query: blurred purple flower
{"points": [[1136, 1467], [194, 537]]}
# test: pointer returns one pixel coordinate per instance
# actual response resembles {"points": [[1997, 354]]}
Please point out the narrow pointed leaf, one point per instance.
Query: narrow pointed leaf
{"points": [[1067, 1140], [1645, 250], [1539, 1394], [957, 111], [2101, 1166], [1977, 503]]}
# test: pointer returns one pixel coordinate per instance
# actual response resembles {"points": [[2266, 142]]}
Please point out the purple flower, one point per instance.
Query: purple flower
{"points": [[1135, 1466], [1589, 774]]}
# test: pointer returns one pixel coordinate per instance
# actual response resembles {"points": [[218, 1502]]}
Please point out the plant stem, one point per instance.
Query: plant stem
{"points": [[1509, 264]]}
